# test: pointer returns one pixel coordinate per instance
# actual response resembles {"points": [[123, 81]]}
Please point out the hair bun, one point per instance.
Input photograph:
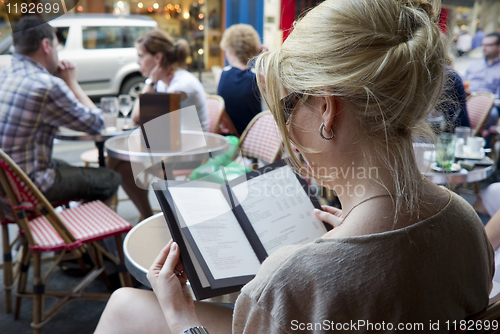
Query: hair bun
{"points": [[182, 50], [424, 5]]}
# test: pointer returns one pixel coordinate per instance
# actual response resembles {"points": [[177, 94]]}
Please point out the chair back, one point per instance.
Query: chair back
{"points": [[261, 138], [219, 121], [23, 199], [216, 107], [478, 109]]}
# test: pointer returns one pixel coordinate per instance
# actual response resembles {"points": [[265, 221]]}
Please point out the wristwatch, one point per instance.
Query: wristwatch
{"points": [[196, 330], [149, 82]]}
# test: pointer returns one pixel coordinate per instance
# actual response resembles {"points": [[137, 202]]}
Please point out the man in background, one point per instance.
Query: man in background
{"points": [[484, 76], [37, 95]]}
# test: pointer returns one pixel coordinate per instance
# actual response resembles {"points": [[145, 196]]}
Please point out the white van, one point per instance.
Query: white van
{"points": [[102, 48]]}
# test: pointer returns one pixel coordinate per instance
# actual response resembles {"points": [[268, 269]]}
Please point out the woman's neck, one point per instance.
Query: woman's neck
{"points": [[235, 62], [167, 78]]}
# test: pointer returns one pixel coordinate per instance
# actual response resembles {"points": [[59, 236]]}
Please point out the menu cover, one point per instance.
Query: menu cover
{"points": [[226, 231], [153, 105]]}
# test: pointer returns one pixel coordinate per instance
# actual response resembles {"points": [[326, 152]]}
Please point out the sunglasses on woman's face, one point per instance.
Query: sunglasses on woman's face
{"points": [[288, 103]]}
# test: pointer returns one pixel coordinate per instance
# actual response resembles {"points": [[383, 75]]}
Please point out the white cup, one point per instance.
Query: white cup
{"points": [[474, 144]]}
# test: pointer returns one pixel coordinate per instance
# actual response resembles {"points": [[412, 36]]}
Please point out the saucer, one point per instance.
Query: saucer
{"points": [[454, 168], [471, 155]]}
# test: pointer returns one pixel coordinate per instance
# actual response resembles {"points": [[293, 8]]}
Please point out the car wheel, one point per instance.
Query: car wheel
{"points": [[133, 86]]}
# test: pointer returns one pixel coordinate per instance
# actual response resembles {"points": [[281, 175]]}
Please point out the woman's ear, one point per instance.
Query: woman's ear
{"points": [[329, 109], [158, 58]]}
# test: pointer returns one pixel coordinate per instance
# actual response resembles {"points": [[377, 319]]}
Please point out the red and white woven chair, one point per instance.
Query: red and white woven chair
{"points": [[215, 104], [478, 109], [261, 139], [71, 232], [218, 118]]}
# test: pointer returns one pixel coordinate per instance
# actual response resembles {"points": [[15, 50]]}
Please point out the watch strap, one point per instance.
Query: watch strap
{"points": [[196, 330], [149, 82]]}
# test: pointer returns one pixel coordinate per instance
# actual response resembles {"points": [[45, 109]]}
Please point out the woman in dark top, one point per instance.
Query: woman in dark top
{"points": [[238, 85], [454, 107]]}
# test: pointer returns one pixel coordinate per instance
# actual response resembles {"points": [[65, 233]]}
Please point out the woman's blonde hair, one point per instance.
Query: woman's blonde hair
{"points": [[243, 40], [158, 41], [384, 57]]}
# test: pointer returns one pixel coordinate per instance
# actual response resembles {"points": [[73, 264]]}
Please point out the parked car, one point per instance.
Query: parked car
{"points": [[101, 46]]}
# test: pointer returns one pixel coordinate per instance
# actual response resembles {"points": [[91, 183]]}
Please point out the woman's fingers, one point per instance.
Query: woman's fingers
{"points": [[172, 260], [333, 210], [328, 217], [159, 261]]}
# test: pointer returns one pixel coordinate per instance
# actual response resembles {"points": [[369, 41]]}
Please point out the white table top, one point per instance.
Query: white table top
{"points": [[129, 147], [68, 134]]}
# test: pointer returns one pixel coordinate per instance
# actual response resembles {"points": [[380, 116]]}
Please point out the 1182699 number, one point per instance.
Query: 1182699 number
{"points": [[32, 8], [472, 325]]}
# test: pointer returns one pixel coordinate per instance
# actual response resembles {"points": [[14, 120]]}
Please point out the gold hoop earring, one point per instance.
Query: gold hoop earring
{"points": [[321, 128]]}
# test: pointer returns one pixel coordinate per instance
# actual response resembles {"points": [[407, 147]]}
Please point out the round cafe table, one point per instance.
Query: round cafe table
{"points": [[425, 157], [99, 139], [144, 242], [129, 147]]}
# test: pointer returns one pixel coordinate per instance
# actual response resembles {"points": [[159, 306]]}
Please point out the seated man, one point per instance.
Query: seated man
{"points": [[37, 95], [484, 75]]}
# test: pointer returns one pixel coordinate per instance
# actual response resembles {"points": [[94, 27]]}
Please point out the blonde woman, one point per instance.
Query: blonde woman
{"points": [[348, 89], [238, 84]]}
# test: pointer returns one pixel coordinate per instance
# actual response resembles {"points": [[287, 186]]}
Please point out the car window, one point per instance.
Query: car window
{"points": [[102, 37], [131, 34], [62, 35]]}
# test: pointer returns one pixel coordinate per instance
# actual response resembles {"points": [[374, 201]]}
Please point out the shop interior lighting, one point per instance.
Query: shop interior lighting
{"points": [[140, 5]]}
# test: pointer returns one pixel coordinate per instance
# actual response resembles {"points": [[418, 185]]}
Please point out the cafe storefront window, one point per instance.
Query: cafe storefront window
{"points": [[197, 21]]}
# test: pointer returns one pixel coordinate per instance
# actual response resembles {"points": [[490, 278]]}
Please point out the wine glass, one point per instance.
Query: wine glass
{"points": [[109, 107], [125, 103]]}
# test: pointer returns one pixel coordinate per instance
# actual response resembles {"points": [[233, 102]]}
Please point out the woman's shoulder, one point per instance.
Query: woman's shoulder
{"points": [[284, 269]]}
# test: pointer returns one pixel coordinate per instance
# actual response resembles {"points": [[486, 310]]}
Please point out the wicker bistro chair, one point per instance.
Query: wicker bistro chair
{"points": [[478, 109], [72, 232], [261, 139], [219, 120]]}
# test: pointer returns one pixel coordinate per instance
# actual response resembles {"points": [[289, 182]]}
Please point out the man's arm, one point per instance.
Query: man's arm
{"points": [[67, 72], [67, 105]]}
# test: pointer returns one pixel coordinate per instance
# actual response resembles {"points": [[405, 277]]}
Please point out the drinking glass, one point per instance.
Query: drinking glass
{"points": [[109, 107], [445, 150], [463, 132], [125, 103]]}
